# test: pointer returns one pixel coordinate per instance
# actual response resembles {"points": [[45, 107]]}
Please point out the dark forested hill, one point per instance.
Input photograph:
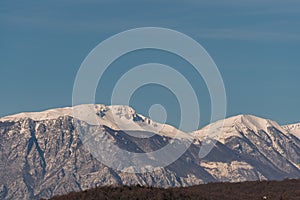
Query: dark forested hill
{"points": [[287, 189]]}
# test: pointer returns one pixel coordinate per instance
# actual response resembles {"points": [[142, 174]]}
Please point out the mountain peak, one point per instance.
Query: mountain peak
{"points": [[116, 117], [235, 125], [39, 116], [253, 122], [68, 111]]}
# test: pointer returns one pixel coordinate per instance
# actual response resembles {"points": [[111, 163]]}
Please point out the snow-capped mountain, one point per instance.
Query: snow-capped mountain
{"points": [[267, 147], [117, 117], [41, 154]]}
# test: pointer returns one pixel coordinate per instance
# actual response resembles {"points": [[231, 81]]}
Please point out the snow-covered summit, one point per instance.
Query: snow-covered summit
{"points": [[235, 126], [98, 109], [117, 117], [255, 123], [39, 116]]}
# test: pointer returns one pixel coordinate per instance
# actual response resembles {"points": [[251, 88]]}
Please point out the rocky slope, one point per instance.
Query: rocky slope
{"points": [[263, 146], [41, 154], [293, 129]]}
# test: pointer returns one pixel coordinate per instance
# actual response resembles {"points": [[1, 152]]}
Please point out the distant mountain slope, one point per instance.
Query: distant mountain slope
{"points": [[41, 154]]}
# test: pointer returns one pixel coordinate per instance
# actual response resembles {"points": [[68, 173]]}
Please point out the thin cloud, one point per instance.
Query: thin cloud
{"points": [[240, 34]]}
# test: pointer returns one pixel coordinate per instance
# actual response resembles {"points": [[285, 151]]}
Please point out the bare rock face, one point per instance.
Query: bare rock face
{"points": [[269, 150], [3, 191], [40, 159], [43, 157]]}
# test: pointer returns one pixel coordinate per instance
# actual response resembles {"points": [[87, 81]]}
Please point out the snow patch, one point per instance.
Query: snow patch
{"points": [[293, 129]]}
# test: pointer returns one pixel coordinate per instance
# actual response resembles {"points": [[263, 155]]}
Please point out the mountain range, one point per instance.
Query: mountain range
{"points": [[42, 153]]}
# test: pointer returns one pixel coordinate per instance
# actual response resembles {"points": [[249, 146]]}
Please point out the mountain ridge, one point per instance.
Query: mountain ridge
{"points": [[43, 157], [68, 111]]}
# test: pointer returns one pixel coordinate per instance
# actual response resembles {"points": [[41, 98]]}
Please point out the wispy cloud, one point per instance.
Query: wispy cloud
{"points": [[228, 23], [242, 34]]}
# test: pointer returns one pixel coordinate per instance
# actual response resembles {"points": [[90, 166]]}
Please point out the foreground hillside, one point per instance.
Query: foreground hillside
{"points": [[287, 189]]}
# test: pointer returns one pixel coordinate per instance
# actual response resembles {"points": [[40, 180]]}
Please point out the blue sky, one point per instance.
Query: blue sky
{"points": [[255, 45]]}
